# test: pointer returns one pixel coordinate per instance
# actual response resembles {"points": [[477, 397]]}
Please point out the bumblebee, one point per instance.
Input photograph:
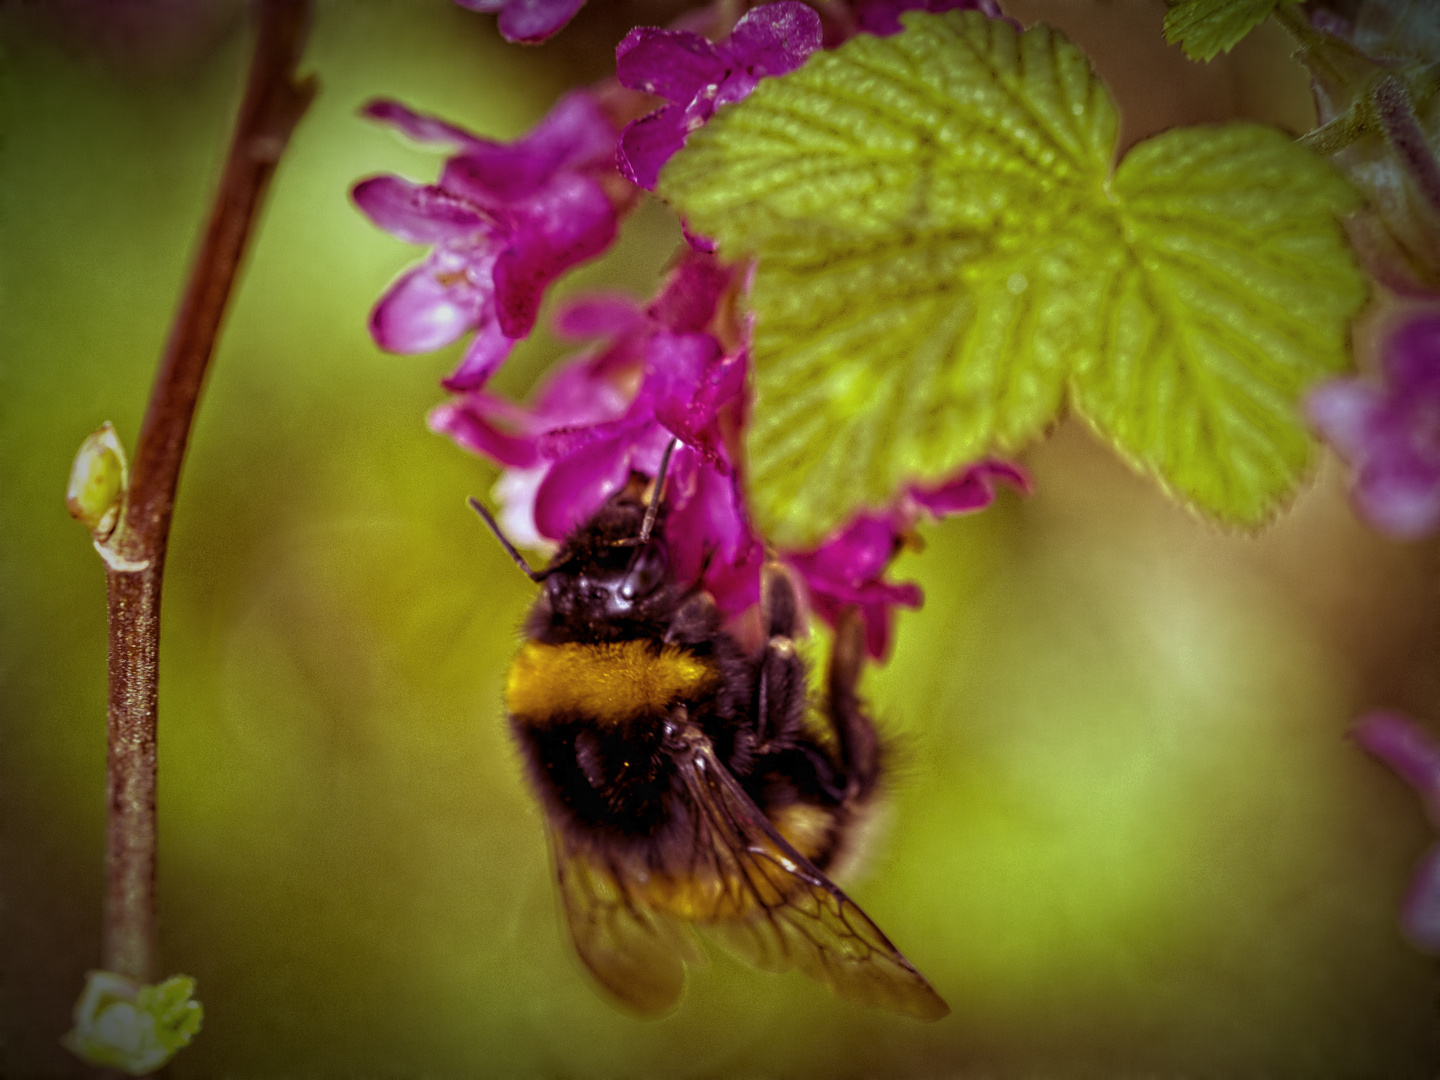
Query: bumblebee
{"points": [[687, 781]]}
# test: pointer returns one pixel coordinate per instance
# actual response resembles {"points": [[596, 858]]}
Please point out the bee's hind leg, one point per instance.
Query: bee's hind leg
{"points": [[857, 745], [780, 686]]}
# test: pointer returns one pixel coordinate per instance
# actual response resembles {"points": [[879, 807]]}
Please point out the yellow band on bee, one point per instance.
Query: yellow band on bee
{"points": [[606, 683]]}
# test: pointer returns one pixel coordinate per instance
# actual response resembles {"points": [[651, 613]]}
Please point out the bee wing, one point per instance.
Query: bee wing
{"points": [[793, 915], [636, 954]]}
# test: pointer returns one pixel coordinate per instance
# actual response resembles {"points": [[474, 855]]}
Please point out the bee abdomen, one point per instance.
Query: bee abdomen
{"points": [[590, 718]]}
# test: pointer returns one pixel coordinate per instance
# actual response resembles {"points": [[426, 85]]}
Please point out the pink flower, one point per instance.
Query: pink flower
{"points": [[608, 414], [697, 77], [1415, 756], [503, 222], [882, 17], [847, 570], [528, 21], [1390, 433]]}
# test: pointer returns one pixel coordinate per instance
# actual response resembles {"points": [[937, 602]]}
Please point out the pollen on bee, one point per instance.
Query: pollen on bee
{"points": [[607, 683]]}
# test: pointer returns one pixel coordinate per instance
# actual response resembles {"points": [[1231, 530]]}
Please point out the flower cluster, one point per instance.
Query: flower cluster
{"points": [[1390, 433], [659, 375], [505, 220], [696, 77]]}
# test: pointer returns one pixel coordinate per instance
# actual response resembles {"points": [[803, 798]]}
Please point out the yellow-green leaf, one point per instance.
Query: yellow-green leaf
{"points": [[1237, 296], [941, 251], [1206, 27], [923, 205]]}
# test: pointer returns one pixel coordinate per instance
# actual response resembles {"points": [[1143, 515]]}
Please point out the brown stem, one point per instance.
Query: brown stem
{"points": [[135, 553]]}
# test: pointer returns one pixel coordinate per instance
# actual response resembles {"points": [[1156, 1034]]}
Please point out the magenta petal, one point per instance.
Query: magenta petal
{"points": [[648, 143], [702, 245], [567, 223], [973, 489], [690, 382], [878, 612], [716, 512], [1342, 411], [482, 359], [706, 521], [736, 585], [673, 64], [775, 38], [737, 87], [562, 442], [574, 133], [573, 396], [598, 315], [860, 553], [419, 314], [467, 422], [532, 21], [1420, 916], [688, 301], [579, 485], [417, 213], [418, 126], [675, 367]]}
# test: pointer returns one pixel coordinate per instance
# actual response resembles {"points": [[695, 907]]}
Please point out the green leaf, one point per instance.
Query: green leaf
{"points": [[1206, 27], [943, 257], [122, 1025], [1237, 297]]}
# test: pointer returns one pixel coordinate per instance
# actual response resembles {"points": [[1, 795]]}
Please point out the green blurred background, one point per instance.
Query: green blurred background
{"points": [[1129, 835]]}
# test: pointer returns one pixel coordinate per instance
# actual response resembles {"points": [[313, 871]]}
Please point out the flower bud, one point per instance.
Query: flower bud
{"points": [[120, 1024], [98, 482]]}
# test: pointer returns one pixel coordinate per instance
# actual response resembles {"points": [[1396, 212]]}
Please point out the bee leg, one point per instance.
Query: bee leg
{"points": [[778, 602], [780, 684], [857, 744], [695, 620]]}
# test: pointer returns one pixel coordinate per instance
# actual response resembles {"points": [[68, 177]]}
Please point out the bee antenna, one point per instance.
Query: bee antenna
{"points": [[479, 508], [654, 508]]}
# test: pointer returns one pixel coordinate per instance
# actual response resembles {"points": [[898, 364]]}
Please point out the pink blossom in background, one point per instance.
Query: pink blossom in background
{"points": [[696, 77], [882, 17], [527, 21], [848, 570], [1415, 756], [1389, 431], [504, 220]]}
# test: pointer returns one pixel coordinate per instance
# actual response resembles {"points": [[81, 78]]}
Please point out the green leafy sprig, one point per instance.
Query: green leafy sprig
{"points": [[1204, 28]]}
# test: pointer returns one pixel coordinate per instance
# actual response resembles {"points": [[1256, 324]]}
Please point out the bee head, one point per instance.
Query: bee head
{"points": [[614, 582], [611, 579]]}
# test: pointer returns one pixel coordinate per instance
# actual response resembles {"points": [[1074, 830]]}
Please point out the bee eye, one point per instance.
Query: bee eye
{"points": [[645, 574]]}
